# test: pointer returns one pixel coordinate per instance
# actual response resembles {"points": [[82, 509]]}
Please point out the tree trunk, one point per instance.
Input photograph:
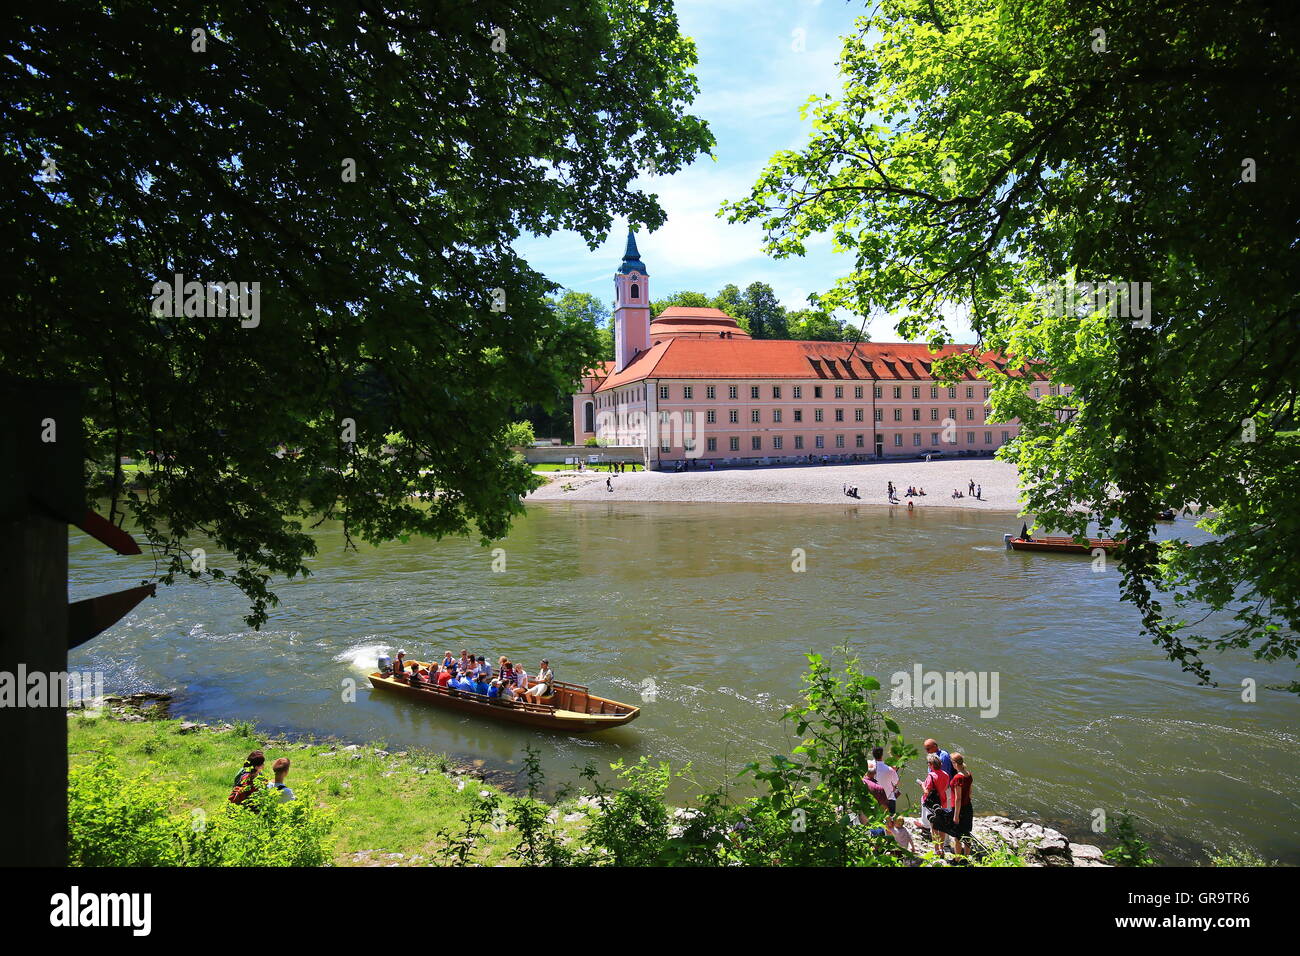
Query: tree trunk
{"points": [[34, 635]]}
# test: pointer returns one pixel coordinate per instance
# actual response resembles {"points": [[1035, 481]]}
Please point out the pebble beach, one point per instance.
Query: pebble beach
{"points": [[801, 484]]}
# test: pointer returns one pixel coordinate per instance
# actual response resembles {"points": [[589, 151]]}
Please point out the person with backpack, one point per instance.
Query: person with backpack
{"points": [[963, 817], [249, 778]]}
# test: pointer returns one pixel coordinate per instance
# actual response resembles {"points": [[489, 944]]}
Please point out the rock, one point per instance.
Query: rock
{"points": [[381, 753], [1039, 845], [188, 727], [574, 817], [351, 747]]}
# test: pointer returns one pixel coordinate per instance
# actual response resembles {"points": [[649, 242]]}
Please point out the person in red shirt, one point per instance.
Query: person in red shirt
{"points": [[444, 675], [934, 794], [962, 814]]}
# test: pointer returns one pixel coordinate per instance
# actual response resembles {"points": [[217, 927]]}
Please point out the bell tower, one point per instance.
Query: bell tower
{"points": [[631, 307]]}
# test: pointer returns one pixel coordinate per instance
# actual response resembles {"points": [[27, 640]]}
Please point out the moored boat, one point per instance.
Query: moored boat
{"points": [[1061, 544], [571, 708]]}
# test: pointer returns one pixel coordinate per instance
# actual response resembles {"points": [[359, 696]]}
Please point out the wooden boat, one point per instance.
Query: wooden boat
{"points": [[1166, 515], [1061, 544], [570, 707]]}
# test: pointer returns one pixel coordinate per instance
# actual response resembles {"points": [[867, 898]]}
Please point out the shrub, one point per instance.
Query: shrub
{"points": [[1132, 849]]}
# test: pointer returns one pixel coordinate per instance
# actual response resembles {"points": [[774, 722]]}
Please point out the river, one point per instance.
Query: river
{"points": [[702, 600]]}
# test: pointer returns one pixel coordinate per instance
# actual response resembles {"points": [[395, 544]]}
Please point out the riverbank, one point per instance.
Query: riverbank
{"points": [[393, 809], [803, 484]]}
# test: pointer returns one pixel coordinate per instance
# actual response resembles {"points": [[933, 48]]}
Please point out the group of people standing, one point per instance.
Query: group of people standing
{"points": [[946, 811]]}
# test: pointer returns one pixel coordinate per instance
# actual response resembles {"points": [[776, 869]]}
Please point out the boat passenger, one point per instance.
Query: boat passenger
{"points": [[494, 689], [414, 678], [481, 669], [466, 661], [521, 680], [542, 687], [478, 686], [399, 662], [444, 676], [447, 660]]}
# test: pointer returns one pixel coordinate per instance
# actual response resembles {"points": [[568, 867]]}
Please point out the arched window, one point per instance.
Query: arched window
{"points": [[635, 290], [588, 418]]}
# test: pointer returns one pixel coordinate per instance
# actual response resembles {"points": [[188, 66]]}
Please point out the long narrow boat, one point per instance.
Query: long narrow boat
{"points": [[570, 707], [1061, 544]]}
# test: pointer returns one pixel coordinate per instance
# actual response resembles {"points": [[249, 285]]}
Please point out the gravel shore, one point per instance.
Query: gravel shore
{"points": [[802, 484]]}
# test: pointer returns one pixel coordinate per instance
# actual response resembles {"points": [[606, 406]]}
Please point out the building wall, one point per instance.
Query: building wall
{"points": [[919, 418]]}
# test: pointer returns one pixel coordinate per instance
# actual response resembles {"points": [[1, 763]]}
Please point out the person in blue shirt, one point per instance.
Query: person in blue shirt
{"points": [[931, 747], [478, 686], [463, 683], [494, 689]]}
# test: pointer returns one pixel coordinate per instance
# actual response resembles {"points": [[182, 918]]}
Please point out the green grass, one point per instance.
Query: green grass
{"points": [[384, 804], [551, 466]]}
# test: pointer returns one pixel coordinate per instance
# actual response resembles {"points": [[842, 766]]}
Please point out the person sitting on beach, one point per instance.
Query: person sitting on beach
{"points": [[542, 687], [921, 492], [248, 778]]}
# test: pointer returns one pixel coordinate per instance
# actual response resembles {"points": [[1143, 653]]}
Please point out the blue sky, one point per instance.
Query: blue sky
{"points": [[755, 73]]}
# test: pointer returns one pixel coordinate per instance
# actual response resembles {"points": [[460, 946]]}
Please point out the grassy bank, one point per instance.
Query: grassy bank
{"points": [[385, 805]]}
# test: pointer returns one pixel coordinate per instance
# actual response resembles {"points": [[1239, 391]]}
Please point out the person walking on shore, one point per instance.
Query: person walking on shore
{"points": [[934, 798], [887, 777], [971, 487], [931, 747], [963, 817]]}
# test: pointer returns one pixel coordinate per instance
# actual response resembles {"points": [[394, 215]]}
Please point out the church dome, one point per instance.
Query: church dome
{"points": [[676, 322]]}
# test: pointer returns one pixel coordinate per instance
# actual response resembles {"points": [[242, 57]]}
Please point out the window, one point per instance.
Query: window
{"points": [[776, 442], [817, 391], [839, 441], [839, 414], [798, 414], [934, 414], [934, 438], [916, 414], [710, 391], [934, 391], [688, 444], [898, 414], [1006, 437], [898, 391], [1038, 392], [797, 391], [952, 413], [756, 443], [733, 443], [711, 416], [712, 444], [987, 389], [688, 417], [731, 392], [817, 414], [880, 414], [776, 391], [970, 414], [753, 391], [636, 292], [754, 416], [898, 441], [588, 417], [916, 391], [1051, 390], [733, 416], [952, 391], [857, 391], [688, 391], [970, 437], [859, 441], [839, 391], [859, 414], [916, 438], [798, 442], [776, 415], [820, 441], [970, 391], [879, 392], [663, 391]]}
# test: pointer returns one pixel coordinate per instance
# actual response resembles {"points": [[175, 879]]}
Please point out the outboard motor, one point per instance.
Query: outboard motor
{"points": [[1006, 539]]}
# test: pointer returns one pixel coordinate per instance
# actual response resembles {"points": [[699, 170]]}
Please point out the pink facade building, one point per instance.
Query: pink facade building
{"points": [[693, 384]]}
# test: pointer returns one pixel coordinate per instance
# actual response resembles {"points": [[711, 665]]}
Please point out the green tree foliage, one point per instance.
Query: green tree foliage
{"points": [[814, 325], [758, 311], [370, 170], [984, 153], [766, 315], [690, 300]]}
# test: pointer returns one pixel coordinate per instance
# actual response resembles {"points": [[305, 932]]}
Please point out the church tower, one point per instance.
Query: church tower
{"points": [[631, 307]]}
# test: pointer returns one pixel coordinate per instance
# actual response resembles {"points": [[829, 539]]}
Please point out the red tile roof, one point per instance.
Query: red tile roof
{"points": [[718, 358]]}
